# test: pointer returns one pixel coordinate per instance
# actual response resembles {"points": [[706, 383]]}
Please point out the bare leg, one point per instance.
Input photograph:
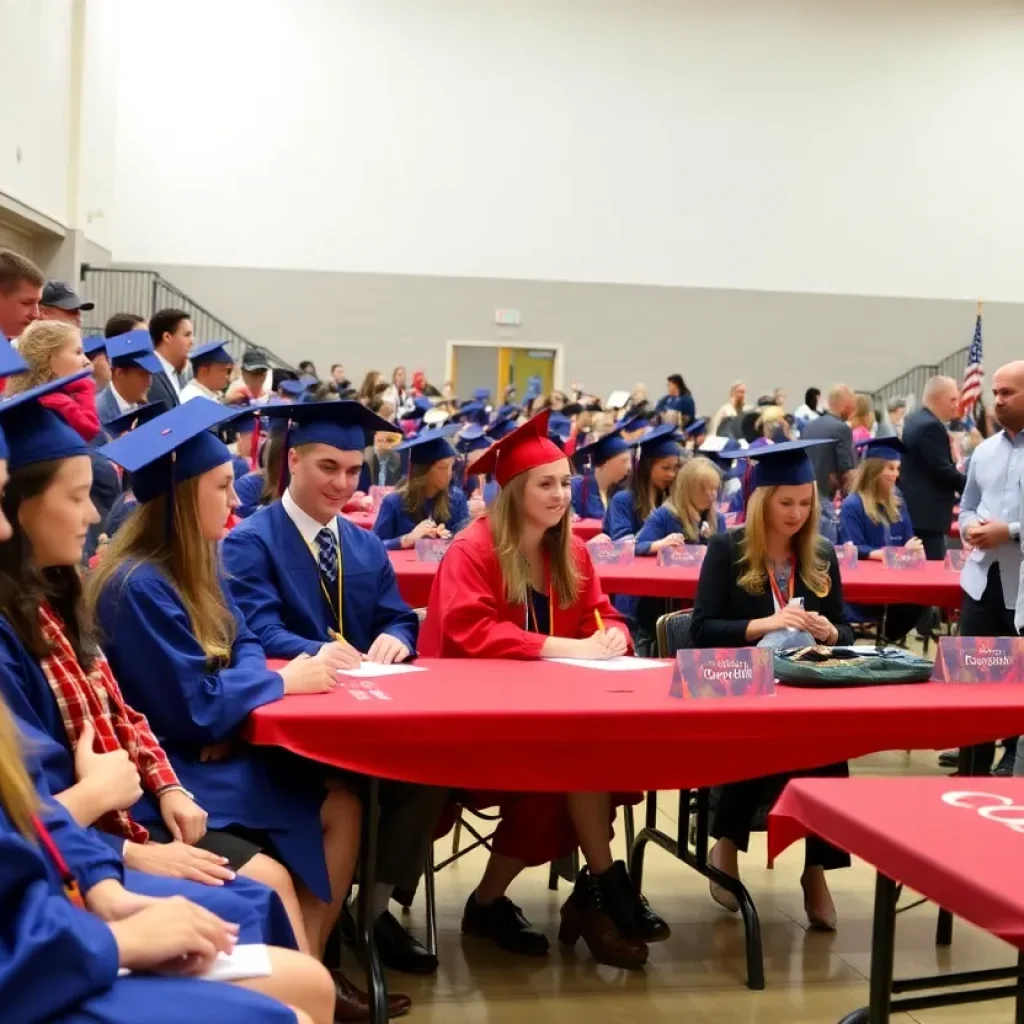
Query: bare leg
{"points": [[300, 981], [268, 871], [821, 911], [500, 873], [724, 855], [341, 815], [591, 813]]}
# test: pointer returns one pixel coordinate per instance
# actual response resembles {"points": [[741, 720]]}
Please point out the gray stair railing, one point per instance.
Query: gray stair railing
{"points": [[143, 292], [910, 385]]}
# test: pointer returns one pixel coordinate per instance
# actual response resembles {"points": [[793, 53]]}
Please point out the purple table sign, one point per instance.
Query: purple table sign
{"points": [[723, 672], [846, 555], [902, 558], [687, 555], [431, 549], [979, 659], [612, 552], [956, 560]]}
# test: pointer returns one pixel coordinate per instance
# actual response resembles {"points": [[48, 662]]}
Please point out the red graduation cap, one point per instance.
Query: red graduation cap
{"points": [[525, 448]]}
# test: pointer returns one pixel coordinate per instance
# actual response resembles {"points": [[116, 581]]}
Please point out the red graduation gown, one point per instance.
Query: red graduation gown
{"points": [[468, 616]]}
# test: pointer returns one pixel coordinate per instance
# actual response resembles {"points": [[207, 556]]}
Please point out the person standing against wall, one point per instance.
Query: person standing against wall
{"points": [[21, 288]]}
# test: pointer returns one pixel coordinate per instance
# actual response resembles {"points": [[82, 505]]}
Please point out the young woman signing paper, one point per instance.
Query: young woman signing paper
{"points": [[517, 585]]}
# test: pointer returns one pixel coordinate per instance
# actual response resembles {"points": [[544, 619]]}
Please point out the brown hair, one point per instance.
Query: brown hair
{"points": [[38, 344], [274, 458], [23, 588], [645, 498], [808, 546], [189, 562], [867, 486], [863, 414], [14, 269], [506, 522], [414, 495], [682, 503]]}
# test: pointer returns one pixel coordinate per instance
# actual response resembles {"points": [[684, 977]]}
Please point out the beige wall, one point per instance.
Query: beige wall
{"points": [[614, 335]]}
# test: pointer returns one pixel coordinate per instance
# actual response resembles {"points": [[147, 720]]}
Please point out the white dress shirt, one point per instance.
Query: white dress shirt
{"points": [[172, 373], [122, 405], [993, 493], [307, 526], [193, 389]]}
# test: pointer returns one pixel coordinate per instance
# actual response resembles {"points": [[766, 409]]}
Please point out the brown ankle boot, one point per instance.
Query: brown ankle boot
{"points": [[584, 914]]}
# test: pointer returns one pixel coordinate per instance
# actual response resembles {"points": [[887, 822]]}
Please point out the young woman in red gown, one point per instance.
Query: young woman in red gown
{"points": [[516, 584]]}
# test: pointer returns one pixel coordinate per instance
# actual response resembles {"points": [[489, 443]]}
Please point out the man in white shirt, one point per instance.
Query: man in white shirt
{"points": [[211, 371], [172, 332]]}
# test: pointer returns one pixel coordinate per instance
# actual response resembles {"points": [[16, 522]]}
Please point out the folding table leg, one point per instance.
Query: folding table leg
{"points": [[1018, 1015], [883, 942], [428, 887], [376, 986]]}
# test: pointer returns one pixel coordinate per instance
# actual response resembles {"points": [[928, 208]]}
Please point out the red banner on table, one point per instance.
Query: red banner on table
{"points": [[902, 558], [723, 672], [979, 659], [685, 554]]}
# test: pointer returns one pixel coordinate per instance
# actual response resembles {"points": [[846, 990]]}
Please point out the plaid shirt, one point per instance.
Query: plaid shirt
{"points": [[96, 697]]}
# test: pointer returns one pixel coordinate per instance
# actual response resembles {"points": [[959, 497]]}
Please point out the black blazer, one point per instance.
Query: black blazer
{"points": [[162, 390], [393, 471], [723, 609], [929, 478]]}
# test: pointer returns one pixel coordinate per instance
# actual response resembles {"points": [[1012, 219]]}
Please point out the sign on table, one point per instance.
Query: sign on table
{"points": [[979, 659], [687, 555], [724, 672], [902, 558]]}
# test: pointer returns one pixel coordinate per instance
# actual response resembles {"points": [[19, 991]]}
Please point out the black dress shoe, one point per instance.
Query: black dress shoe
{"points": [[630, 911], [503, 923], [352, 1005], [949, 759], [399, 950]]}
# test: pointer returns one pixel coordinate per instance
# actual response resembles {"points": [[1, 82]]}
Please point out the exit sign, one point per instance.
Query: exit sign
{"points": [[507, 317]]}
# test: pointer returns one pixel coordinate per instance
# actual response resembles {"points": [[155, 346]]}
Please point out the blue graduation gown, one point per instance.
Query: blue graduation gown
{"points": [[662, 523], [621, 520], [165, 675], [59, 963], [586, 497], [275, 580], [488, 488], [105, 490], [858, 529], [240, 467], [394, 522], [122, 508], [249, 488]]}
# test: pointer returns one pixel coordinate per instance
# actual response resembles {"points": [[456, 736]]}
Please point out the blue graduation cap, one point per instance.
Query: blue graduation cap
{"points": [[211, 352], [420, 407], [295, 388], [783, 465], [342, 425], [533, 388], [11, 360], [659, 442], [94, 344], [173, 447], [431, 446], [482, 395], [604, 448], [631, 422], [559, 427], [501, 428], [37, 434], [133, 349], [696, 428], [472, 411], [889, 448], [135, 418], [473, 438], [509, 412]]}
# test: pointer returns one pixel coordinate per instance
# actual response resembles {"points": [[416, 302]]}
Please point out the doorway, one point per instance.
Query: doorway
{"points": [[493, 365]]}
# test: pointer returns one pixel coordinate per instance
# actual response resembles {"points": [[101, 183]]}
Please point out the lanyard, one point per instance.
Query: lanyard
{"points": [[776, 592], [335, 634], [71, 890]]}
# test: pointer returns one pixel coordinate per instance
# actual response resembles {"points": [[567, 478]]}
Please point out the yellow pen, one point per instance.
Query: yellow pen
{"points": [[599, 621], [333, 634]]}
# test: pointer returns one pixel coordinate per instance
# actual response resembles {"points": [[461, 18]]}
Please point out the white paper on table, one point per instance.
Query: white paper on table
{"points": [[622, 664], [243, 962], [369, 670]]}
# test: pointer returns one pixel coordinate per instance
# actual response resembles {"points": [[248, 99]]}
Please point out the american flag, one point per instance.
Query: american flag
{"points": [[974, 375]]}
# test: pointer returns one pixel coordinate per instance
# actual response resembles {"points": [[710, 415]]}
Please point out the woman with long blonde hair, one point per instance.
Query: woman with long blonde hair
{"points": [[184, 658], [516, 584], [862, 419], [425, 506], [769, 583], [690, 516], [875, 517]]}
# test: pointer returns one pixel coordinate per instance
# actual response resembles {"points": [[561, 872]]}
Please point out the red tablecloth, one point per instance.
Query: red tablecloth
{"points": [[363, 519], [544, 726], [587, 529], [957, 857], [868, 583]]}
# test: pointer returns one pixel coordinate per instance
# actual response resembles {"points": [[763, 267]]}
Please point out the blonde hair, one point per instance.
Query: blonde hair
{"points": [[772, 416], [867, 485], [863, 414], [38, 344], [683, 500], [808, 546], [17, 794], [190, 563], [506, 521], [414, 495]]}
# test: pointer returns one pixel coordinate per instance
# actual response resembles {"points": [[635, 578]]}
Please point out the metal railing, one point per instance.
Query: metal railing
{"points": [[144, 292], [910, 385]]}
